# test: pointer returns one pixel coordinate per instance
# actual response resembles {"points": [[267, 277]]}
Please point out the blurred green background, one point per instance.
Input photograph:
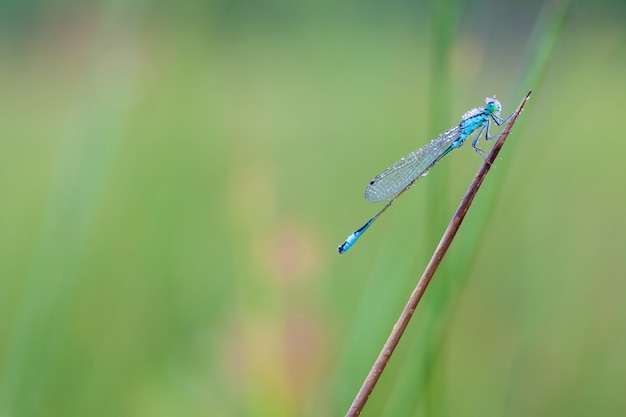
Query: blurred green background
{"points": [[175, 179]]}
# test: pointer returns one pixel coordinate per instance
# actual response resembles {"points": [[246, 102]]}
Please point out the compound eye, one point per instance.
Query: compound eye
{"points": [[493, 105]]}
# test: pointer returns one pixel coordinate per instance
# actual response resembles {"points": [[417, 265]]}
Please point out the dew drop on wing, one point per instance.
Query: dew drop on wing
{"points": [[424, 173]]}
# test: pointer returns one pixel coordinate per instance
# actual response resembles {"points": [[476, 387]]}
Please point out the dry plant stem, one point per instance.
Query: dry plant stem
{"points": [[442, 248]]}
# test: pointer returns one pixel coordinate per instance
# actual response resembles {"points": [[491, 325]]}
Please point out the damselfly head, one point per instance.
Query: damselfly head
{"points": [[493, 105]]}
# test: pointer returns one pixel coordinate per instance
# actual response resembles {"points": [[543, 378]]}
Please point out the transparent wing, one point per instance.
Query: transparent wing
{"points": [[407, 170]]}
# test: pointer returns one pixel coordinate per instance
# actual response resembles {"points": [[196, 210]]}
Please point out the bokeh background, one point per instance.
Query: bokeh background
{"points": [[175, 178]]}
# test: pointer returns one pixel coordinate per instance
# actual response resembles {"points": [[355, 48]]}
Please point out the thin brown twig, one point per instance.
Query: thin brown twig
{"points": [[435, 260]]}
